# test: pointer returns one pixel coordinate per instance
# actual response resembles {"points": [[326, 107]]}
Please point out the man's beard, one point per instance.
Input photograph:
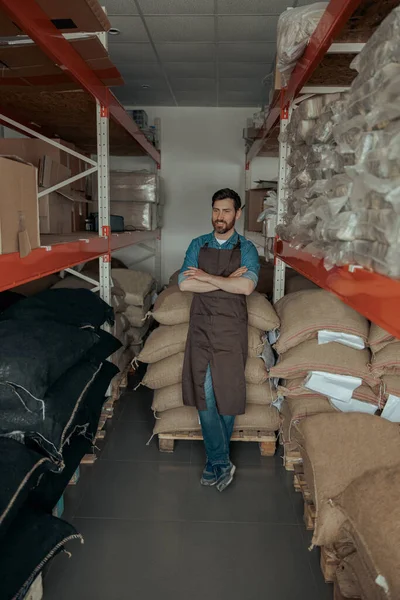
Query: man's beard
{"points": [[223, 227]]}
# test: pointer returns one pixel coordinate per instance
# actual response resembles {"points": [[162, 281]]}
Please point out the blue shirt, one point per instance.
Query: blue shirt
{"points": [[248, 251]]}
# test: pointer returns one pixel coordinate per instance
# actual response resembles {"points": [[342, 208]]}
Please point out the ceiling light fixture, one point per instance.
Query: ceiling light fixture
{"points": [[114, 31], [145, 86]]}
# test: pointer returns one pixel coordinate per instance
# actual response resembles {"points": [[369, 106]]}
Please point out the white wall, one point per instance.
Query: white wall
{"points": [[202, 150]]}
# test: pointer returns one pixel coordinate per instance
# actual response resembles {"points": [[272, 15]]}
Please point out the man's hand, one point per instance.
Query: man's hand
{"points": [[193, 273], [239, 272]]}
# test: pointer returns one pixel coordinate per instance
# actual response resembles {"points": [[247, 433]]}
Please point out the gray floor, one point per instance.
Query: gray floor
{"points": [[150, 529]]}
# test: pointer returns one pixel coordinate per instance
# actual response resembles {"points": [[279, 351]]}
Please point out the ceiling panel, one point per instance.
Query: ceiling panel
{"points": [[176, 7], [247, 29], [245, 97], [181, 29], [133, 97], [196, 98], [252, 7], [239, 69], [186, 52], [120, 7], [154, 84], [142, 69], [190, 69], [249, 52], [131, 28], [241, 83], [127, 53], [183, 84]]}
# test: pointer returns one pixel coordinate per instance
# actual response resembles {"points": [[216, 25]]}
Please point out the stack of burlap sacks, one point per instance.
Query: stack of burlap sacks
{"points": [[351, 463], [164, 353], [132, 322], [304, 316]]}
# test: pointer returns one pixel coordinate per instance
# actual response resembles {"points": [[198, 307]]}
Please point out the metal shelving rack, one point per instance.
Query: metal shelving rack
{"points": [[63, 252], [375, 296]]}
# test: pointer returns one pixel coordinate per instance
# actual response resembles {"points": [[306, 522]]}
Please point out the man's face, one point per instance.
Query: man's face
{"points": [[224, 216]]}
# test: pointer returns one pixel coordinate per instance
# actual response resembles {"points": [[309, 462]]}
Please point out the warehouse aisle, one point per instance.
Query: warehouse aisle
{"points": [[152, 531]]}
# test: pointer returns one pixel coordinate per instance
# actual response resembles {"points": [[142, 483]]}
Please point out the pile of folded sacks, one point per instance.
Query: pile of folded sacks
{"points": [[352, 469], [331, 359], [133, 322], [53, 379], [164, 353]]}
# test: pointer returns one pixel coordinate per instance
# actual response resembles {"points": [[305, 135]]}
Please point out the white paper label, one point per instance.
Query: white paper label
{"points": [[391, 412], [354, 406], [332, 385], [347, 339]]}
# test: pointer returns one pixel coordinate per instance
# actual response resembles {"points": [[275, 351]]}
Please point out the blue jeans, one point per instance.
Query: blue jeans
{"points": [[217, 429]]}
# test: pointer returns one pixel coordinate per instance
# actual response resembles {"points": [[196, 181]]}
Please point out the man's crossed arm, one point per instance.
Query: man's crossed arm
{"points": [[199, 281]]}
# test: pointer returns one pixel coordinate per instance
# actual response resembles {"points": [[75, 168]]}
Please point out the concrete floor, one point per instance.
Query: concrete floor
{"points": [[152, 531]]}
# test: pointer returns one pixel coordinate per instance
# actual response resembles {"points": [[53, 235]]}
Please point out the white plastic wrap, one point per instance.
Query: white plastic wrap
{"points": [[380, 46], [144, 216], [295, 27]]}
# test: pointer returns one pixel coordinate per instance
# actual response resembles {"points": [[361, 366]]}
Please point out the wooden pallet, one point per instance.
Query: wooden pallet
{"points": [[266, 441], [291, 458], [300, 485]]}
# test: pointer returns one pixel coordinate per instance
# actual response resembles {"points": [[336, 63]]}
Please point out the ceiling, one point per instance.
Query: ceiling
{"points": [[194, 52]]}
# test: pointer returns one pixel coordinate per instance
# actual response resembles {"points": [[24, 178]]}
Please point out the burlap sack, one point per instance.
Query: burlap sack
{"points": [[138, 315], [136, 284], [173, 280], [255, 342], [118, 303], [295, 387], [336, 448], [121, 324], [164, 372], [264, 418], [256, 372], [170, 397], [298, 283], [304, 313], [136, 334], [370, 504], [172, 306], [348, 575], [261, 313], [164, 341], [379, 338], [387, 361], [391, 385], [299, 408], [331, 358]]}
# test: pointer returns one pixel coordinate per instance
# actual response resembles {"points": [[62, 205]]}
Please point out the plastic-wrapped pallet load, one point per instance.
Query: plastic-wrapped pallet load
{"points": [[354, 216], [164, 353], [295, 27]]}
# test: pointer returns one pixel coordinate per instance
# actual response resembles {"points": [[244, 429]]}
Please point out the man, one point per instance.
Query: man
{"points": [[221, 268]]}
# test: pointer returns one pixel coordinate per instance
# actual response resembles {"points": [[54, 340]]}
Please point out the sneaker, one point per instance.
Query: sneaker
{"points": [[225, 478], [208, 477]]}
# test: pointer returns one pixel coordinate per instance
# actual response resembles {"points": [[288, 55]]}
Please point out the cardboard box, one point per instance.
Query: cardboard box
{"points": [[74, 16], [56, 214], [143, 216], [131, 186], [19, 218], [254, 206]]}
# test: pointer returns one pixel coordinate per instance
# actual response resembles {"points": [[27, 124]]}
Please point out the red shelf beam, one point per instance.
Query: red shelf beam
{"points": [[375, 296], [46, 260], [36, 24]]}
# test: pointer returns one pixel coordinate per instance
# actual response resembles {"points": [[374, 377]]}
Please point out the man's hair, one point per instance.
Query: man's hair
{"points": [[226, 194]]}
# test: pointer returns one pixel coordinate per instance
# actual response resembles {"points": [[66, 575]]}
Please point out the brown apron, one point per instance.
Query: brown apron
{"points": [[217, 336]]}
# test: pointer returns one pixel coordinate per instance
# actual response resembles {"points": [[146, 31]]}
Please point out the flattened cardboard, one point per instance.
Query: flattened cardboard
{"points": [[19, 219]]}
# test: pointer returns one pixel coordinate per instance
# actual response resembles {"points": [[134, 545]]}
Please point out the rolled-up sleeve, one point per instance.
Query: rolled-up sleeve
{"points": [[251, 261], [191, 259]]}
